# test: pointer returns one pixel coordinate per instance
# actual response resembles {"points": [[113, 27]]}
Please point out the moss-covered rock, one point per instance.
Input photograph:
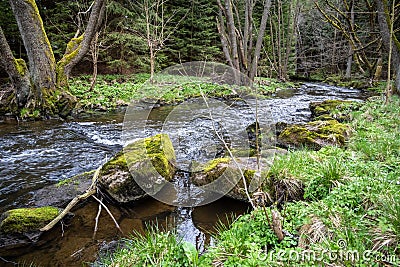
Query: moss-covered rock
{"points": [[315, 134], [18, 221], [330, 109], [142, 167], [222, 175]]}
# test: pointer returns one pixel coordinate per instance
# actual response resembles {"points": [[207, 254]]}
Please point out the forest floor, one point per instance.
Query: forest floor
{"points": [[349, 215]]}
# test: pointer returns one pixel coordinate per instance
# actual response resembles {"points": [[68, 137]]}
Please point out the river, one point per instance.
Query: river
{"points": [[36, 154]]}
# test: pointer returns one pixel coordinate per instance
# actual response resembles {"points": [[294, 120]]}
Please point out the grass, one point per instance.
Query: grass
{"points": [[350, 212], [112, 91], [154, 248]]}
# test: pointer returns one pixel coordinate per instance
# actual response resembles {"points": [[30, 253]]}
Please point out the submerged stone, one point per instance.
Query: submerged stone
{"points": [[315, 134], [142, 168]]}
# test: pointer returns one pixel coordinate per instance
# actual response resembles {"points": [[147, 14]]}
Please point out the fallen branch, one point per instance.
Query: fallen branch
{"points": [[89, 192]]}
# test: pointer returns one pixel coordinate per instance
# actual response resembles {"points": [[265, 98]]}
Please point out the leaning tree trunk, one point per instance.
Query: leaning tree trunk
{"points": [[384, 26], [47, 93], [42, 64], [77, 48], [17, 72]]}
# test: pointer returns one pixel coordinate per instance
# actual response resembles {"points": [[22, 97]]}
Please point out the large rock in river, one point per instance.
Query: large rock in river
{"points": [[221, 174], [141, 168], [315, 134], [331, 109], [21, 227]]}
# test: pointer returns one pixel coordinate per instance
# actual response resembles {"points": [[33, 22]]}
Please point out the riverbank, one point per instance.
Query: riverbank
{"points": [[113, 91], [350, 214]]}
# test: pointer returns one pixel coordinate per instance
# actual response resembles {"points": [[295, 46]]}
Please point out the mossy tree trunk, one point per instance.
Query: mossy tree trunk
{"points": [[48, 93], [78, 47], [40, 55], [18, 74]]}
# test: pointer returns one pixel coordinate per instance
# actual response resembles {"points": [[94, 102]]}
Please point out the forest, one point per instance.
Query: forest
{"points": [[199, 133]]}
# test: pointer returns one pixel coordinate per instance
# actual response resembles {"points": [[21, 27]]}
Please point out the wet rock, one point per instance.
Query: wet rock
{"points": [[330, 109], [24, 220], [144, 164], [60, 194], [222, 174], [21, 227], [315, 134]]}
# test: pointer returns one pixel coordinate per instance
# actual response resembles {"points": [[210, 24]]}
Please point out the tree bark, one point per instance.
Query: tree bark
{"points": [[17, 71], [260, 39], [78, 47], [41, 89], [384, 26], [40, 55]]}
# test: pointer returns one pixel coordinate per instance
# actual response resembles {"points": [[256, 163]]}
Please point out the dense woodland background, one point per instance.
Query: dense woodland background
{"points": [[314, 39]]}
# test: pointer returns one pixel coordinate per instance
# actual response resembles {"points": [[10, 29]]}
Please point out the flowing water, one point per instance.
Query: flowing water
{"points": [[36, 154]]}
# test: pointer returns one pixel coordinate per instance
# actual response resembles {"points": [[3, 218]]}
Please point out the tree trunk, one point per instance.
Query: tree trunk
{"points": [[152, 64], [17, 72], [78, 47], [384, 26], [40, 55], [260, 39], [349, 63], [40, 90]]}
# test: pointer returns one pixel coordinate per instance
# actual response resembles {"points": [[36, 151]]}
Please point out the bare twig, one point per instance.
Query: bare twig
{"points": [[109, 213], [97, 221]]}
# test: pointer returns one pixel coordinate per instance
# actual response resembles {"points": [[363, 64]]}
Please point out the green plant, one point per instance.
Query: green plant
{"points": [[154, 248]]}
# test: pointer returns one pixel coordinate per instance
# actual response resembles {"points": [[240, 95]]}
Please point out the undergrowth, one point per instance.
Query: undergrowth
{"points": [[349, 214], [112, 91]]}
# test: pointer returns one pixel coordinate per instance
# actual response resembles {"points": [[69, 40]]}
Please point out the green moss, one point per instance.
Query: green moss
{"points": [[316, 134], [327, 107], [211, 165], [157, 148], [75, 179], [27, 219], [71, 52], [20, 65]]}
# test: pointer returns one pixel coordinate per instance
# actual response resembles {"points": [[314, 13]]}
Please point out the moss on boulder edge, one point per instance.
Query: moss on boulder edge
{"points": [[141, 168], [22, 220], [228, 175], [330, 109], [315, 134]]}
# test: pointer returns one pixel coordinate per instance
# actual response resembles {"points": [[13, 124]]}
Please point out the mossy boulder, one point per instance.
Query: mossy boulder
{"points": [[330, 109], [23, 220], [142, 168], [222, 175], [315, 134]]}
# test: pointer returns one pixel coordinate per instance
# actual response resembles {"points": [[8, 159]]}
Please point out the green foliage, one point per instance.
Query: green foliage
{"points": [[112, 91], [244, 243], [196, 38], [352, 204], [154, 248]]}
